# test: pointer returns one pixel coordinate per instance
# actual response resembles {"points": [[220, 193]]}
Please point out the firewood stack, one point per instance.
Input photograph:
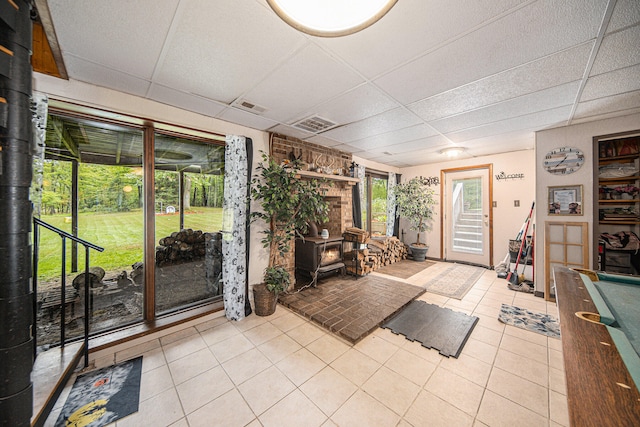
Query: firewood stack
{"points": [[379, 251], [182, 246]]}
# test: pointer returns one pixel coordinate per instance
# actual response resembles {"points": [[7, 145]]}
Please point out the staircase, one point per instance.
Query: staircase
{"points": [[467, 232]]}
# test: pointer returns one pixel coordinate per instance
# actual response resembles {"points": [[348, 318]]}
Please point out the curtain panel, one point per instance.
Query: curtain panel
{"points": [[39, 111], [391, 204], [234, 226]]}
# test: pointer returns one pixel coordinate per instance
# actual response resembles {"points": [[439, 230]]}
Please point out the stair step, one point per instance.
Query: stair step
{"points": [[51, 371]]}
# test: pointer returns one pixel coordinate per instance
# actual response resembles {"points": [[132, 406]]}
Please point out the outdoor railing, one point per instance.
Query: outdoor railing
{"points": [[87, 282]]}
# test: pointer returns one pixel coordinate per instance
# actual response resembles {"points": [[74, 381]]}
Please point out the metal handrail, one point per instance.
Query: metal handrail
{"points": [[87, 245]]}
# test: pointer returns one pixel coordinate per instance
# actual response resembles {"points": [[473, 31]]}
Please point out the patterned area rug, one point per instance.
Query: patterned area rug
{"points": [[101, 397], [535, 322], [455, 281], [405, 268]]}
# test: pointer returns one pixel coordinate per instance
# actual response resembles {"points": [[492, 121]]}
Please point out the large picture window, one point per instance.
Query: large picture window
{"points": [[93, 185], [374, 207]]}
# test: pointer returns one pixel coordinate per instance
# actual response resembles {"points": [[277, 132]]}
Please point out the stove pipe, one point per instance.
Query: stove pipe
{"points": [[16, 343]]}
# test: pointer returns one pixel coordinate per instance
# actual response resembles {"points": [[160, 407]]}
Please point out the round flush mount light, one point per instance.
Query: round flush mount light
{"points": [[453, 151], [330, 18]]}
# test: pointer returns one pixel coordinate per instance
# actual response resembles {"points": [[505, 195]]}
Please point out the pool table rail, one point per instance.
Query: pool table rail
{"points": [[600, 389]]}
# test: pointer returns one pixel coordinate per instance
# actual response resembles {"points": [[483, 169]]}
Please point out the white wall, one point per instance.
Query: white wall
{"points": [[507, 219], [106, 99], [369, 164], [578, 136]]}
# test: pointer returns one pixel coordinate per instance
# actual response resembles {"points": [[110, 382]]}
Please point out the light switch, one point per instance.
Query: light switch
{"points": [[516, 203], [495, 204]]}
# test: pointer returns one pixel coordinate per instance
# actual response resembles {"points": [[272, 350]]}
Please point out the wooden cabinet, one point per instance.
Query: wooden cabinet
{"points": [[618, 195]]}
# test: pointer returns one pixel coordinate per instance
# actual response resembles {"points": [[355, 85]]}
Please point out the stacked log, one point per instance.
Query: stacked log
{"points": [[391, 249], [379, 251], [181, 246]]}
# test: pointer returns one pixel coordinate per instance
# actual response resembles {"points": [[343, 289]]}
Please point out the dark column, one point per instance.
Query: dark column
{"points": [[16, 315], [74, 214]]}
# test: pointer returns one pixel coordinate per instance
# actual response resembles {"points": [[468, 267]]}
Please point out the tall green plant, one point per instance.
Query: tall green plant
{"points": [[288, 205], [415, 201]]}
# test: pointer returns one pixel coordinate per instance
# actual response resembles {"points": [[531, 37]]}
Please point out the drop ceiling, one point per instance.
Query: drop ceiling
{"points": [[482, 74]]}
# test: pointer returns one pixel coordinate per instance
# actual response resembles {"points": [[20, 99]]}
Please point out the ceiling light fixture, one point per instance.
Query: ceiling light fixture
{"points": [[330, 18], [453, 151]]}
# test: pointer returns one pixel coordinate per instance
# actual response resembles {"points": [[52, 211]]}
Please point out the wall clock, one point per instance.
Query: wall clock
{"points": [[563, 160]]}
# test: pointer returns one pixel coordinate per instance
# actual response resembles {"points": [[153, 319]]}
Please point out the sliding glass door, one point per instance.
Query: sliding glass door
{"points": [[189, 178], [92, 184], [92, 187]]}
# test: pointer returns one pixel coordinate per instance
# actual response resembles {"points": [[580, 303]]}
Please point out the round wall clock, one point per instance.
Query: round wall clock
{"points": [[563, 160]]}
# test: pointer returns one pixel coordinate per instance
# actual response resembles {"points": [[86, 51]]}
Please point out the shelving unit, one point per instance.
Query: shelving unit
{"points": [[618, 205]]}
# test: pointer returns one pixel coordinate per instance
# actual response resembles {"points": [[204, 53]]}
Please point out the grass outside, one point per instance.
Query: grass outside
{"points": [[120, 234]]}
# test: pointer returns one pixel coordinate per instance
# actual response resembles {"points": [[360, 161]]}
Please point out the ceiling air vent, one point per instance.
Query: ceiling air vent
{"points": [[249, 106], [314, 124]]}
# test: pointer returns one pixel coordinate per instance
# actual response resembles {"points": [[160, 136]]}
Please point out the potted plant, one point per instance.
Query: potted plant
{"points": [[415, 201], [288, 204]]}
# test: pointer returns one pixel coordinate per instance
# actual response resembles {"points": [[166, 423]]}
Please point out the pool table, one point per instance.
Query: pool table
{"points": [[600, 327]]}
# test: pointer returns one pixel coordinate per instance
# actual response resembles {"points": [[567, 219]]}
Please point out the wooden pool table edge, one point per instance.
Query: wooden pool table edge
{"points": [[593, 370]]}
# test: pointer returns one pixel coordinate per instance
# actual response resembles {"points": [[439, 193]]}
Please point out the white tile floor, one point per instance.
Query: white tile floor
{"points": [[282, 370]]}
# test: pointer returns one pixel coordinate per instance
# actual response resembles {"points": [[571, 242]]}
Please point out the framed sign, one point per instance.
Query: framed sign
{"points": [[566, 200]]}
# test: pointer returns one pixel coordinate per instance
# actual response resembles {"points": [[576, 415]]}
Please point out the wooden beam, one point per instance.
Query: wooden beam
{"points": [[119, 147], [65, 138], [149, 294], [42, 59], [47, 24]]}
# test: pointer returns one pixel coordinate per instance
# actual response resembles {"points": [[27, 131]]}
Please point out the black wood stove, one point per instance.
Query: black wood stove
{"points": [[316, 256]]}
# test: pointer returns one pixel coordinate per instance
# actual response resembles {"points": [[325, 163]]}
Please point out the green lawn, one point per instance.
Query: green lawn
{"points": [[120, 234]]}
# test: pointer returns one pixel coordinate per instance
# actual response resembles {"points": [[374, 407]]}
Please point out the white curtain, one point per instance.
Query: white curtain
{"points": [[360, 170], [39, 110], [234, 226], [391, 203]]}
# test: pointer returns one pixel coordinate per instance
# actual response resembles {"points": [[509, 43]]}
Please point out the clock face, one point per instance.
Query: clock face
{"points": [[563, 160]]}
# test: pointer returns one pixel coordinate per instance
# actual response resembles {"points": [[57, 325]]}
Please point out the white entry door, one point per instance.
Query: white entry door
{"points": [[467, 215]]}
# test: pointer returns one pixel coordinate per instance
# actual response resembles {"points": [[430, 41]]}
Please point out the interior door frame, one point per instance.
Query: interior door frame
{"points": [[443, 172]]}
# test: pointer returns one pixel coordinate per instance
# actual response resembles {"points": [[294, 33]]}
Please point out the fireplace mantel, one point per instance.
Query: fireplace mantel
{"points": [[315, 175]]}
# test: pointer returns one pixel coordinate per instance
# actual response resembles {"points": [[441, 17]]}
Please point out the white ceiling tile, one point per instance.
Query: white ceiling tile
{"points": [[321, 140], [89, 72], [220, 50], [626, 12], [395, 137], [388, 121], [606, 116], [99, 31], [486, 73], [531, 121], [613, 83], [554, 70], [290, 131], [618, 50], [424, 25], [542, 100], [609, 104], [413, 158], [510, 142], [246, 118], [310, 78], [432, 143], [356, 104], [542, 28], [185, 101], [348, 148]]}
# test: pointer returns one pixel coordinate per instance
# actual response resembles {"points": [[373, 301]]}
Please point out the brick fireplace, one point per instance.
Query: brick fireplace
{"points": [[338, 191]]}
